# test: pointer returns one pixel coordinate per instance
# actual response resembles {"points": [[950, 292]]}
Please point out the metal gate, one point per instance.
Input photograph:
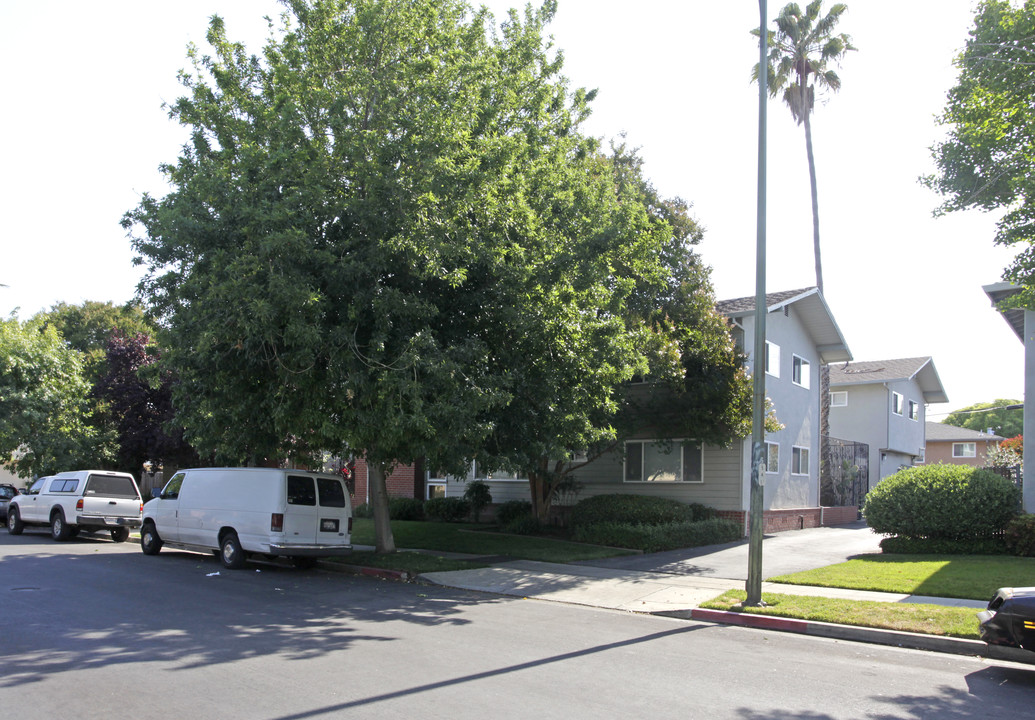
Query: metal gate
{"points": [[844, 472]]}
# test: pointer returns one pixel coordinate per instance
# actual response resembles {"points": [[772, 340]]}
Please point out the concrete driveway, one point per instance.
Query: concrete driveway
{"points": [[782, 553]]}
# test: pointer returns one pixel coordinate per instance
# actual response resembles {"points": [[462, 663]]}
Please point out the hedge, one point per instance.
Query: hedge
{"points": [[655, 538], [635, 510]]}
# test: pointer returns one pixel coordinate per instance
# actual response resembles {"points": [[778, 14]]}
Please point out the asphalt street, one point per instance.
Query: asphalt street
{"points": [[91, 628]]}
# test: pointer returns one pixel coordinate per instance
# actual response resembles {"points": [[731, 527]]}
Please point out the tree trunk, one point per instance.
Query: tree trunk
{"points": [[540, 496], [815, 200], [378, 486]]}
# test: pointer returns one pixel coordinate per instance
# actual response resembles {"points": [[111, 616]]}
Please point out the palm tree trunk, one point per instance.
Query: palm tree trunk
{"points": [[815, 200]]}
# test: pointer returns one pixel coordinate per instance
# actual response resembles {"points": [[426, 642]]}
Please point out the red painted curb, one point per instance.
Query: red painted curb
{"points": [[765, 622]]}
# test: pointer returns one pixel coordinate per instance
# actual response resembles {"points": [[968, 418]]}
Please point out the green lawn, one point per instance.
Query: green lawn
{"points": [[906, 617], [473, 539], [974, 577]]}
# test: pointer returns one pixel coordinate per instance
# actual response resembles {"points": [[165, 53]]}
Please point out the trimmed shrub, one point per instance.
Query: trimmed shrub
{"points": [[635, 510], [512, 510], [524, 525], [954, 502], [477, 496], [363, 511], [447, 509], [655, 538], [405, 509], [942, 546], [1020, 535]]}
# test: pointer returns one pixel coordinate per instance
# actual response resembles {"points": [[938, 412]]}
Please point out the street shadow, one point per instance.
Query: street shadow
{"points": [[189, 611]]}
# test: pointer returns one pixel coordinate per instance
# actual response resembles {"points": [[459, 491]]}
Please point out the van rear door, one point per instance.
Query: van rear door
{"points": [[300, 516], [335, 511]]}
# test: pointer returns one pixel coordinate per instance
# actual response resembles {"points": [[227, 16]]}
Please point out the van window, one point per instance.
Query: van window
{"points": [[331, 492], [301, 490], [111, 486]]}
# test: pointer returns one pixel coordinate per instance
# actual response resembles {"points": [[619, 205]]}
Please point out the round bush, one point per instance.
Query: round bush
{"points": [[1020, 535], [405, 509], [512, 510], [477, 495], [447, 509], [954, 502], [635, 509]]}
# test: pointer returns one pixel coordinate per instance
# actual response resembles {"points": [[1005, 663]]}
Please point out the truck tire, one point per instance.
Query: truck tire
{"points": [[120, 534], [230, 552], [150, 543], [14, 522], [59, 529]]}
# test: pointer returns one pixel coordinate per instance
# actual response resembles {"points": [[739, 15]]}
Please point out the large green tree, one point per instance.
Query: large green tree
{"points": [[377, 229], [44, 406], [802, 49], [987, 158], [1004, 417]]}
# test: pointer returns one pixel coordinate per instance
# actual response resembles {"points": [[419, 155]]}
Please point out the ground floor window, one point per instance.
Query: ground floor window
{"points": [[964, 450], [663, 461], [772, 457]]}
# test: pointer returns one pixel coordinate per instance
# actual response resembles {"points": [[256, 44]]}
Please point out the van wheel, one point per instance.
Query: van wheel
{"points": [[231, 552], [150, 543], [59, 529], [303, 563], [120, 534], [14, 522]]}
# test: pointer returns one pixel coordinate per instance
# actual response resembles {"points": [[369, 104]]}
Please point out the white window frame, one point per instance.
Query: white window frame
{"points": [[799, 457], [682, 447], [771, 360], [963, 448], [914, 410], [772, 449], [803, 369], [896, 403], [838, 395]]}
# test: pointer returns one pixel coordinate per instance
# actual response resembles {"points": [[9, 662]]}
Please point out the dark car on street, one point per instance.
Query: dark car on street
{"points": [[1010, 618], [6, 493]]}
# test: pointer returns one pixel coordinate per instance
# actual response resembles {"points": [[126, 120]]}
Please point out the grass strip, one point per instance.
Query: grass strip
{"points": [[457, 537], [973, 577], [905, 617]]}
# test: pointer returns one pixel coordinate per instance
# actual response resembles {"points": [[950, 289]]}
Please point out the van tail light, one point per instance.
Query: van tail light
{"points": [[79, 504], [277, 522], [350, 524]]}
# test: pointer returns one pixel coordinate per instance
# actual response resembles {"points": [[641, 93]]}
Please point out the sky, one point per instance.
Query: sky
{"points": [[84, 134]]}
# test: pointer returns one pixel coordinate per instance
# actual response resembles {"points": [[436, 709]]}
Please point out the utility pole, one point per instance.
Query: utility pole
{"points": [[754, 579]]}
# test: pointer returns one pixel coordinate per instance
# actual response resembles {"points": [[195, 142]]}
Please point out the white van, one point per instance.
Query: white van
{"points": [[233, 512]]}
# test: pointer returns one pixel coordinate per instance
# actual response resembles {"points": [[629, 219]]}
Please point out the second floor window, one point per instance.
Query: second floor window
{"points": [[839, 399], [896, 403], [914, 410], [800, 371], [772, 359]]}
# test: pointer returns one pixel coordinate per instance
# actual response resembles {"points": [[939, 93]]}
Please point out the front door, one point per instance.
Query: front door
{"points": [[167, 511]]}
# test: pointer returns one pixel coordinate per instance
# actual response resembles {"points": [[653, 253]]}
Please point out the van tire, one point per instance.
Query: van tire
{"points": [[150, 543], [231, 553], [14, 522], [302, 562], [120, 534], [60, 530]]}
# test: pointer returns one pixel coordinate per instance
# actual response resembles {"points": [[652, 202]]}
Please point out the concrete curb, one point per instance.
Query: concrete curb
{"points": [[383, 573], [916, 641]]}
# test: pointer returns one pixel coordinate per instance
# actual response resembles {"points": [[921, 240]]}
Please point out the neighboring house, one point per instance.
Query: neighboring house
{"points": [[884, 404], [957, 445], [801, 335], [1022, 322]]}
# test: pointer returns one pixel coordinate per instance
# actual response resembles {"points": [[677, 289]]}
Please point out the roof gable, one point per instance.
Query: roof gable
{"points": [[920, 369], [814, 313]]}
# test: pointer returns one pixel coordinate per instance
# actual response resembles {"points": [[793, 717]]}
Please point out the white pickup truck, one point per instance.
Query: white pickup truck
{"points": [[78, 500]]}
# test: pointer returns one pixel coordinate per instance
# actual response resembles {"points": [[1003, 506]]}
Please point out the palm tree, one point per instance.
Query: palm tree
{"points": [[801, 48]]}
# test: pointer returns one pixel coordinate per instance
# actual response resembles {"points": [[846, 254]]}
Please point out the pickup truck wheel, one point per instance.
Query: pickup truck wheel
{"points": [[59, 529], [150, 543], [231, 552], [120, 534], [14, 522]]}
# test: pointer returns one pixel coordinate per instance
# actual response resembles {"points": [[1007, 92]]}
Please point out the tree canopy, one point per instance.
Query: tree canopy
{"points": [[43, 400], [1004, 417], [986, 159], [388, 236]]}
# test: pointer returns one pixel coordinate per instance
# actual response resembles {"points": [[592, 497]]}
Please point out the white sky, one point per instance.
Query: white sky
{"points": [[84, 132]]}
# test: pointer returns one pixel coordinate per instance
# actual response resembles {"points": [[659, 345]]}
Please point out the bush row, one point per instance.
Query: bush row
{"points": [[655, 538], [636, 510]]}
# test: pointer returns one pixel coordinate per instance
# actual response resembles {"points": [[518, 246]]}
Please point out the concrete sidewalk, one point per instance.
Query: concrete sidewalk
{"points": [[679, 596]]}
